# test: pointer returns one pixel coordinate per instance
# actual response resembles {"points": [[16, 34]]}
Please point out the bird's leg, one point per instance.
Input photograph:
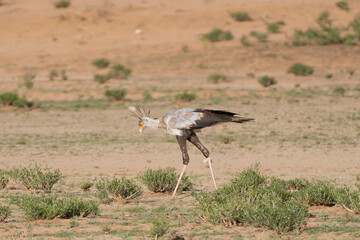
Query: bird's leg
{"points": [[178, 182], [182, 143], [195, 140]]}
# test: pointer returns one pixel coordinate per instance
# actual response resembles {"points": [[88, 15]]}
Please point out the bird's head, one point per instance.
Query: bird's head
{"points": [[142, 115], [143, 123]]}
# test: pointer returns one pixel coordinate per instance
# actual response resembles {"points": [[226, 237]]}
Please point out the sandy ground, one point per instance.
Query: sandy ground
{"points": [[314, 134]]}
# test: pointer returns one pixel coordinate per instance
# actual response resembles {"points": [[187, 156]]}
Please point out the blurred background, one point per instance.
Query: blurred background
{"points": [[49, 48]]}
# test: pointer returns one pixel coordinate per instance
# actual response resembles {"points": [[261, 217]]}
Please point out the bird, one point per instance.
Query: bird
{"points": [[184, 124]]}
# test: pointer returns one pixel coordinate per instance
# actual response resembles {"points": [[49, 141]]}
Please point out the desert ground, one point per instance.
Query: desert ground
{"points": [[302, 128]]}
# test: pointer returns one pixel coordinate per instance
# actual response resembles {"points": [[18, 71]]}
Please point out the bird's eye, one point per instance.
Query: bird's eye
{"points": [[140, 124]]}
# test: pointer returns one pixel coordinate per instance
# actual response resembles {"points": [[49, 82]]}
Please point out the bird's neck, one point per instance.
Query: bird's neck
{"points": [[152, 123]]}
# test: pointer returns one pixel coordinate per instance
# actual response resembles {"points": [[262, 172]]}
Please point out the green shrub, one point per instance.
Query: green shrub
{"points": [[49, 206], [102, 78], [116, 94], [317, 193], [351, 72], [53, 74], [261, 37], [4, 179], [123, 189], [250, 200], [240, 16], [101, 62], [327, 34], [300, 69], [159, 228], [348, 199], [163, 180], [218, 35], [8, 98], [226, 139], [216, 77], [4, 212], [266, 81], [339, 91], [85, 186], [63, 74], [185, 48], [328, 76], [119, 71], [62, 3], [275, 27], [22, 103], [36, 177], [12, 99], [187, 97], [343, 5], [244, 41], [29, 84]]}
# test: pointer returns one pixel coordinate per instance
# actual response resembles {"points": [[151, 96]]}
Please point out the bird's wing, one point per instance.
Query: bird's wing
{"points": [[181, 119], [196, 118]]}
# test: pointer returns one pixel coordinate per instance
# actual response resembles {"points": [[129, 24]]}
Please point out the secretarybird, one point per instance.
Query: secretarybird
{"points": [[183, 124]]}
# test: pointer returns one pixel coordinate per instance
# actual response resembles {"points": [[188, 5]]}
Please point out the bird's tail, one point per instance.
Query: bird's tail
{"points": [[237, 119]]}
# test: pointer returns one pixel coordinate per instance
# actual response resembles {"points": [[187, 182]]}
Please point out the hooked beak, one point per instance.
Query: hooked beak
{"points": [[141, 129]]}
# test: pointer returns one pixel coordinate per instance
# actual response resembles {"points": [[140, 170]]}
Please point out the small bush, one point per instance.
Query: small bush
{"points": [[13, 99], [216, 77], [339, 91], [329, 76], [240, 16], [123, 189], [261, 37], [218, 35], [52, 75], [250, 200], [187, 97], [85, 186], [226, 139], [101, 62], [266, 81], [275, 27], [102, 78], [351, 72], [8, 98], [117, 94], [348, 199], [29, 84], [163, 180], [4, 179], [318, 193], [343, 5], [244, 41], [37, 177], [4, 212], [185, 48], [159, 228], [63, 74], [327, 34], [120, 72], [62, 3], [49, 207], [300, 69]]}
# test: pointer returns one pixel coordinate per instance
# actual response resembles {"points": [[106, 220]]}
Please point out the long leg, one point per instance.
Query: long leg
{"points": [[195, 140], [182, 143]]}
